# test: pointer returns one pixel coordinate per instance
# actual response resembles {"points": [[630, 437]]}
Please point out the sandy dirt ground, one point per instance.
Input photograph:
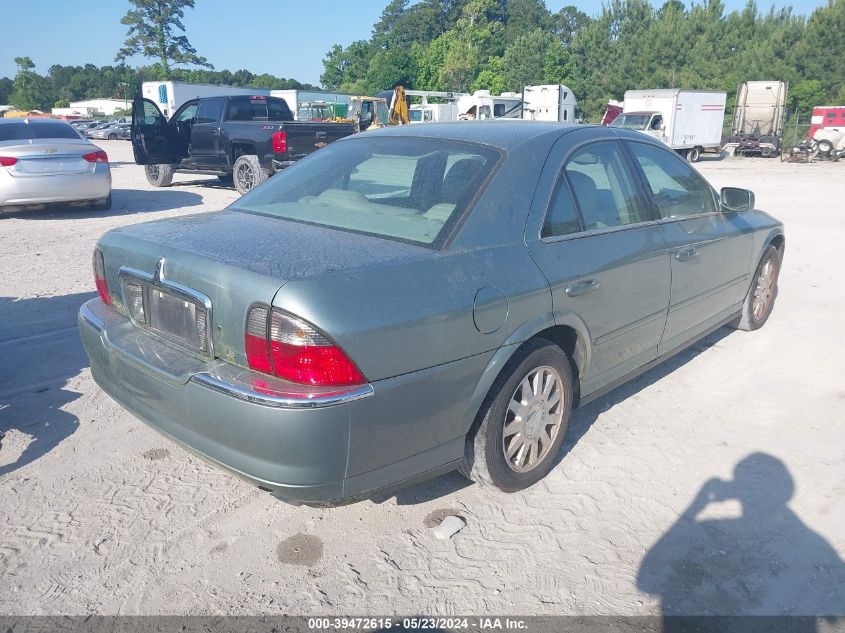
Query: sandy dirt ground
{"points": [[99, 514]]}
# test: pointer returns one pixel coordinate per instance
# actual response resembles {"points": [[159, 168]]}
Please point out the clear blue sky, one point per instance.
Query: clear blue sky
{"points": [[281, 37]]}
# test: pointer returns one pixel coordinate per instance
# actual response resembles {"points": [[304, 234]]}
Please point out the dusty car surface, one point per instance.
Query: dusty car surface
{"points": [[421, 299]]}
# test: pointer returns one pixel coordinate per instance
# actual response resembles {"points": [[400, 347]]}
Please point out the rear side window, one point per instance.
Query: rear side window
{"points": [[278, 110], [211, 110], [247, 109], [677, 188], [35, 130], [562, 218], [603, 187], [405, 189]]}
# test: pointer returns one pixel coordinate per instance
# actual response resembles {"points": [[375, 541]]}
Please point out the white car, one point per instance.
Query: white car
{"points": [[46, 161]]}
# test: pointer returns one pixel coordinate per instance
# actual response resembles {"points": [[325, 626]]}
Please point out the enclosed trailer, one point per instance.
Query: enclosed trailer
{"points": [[688, 121], [550, 102], [170, 95], [758, 118]]}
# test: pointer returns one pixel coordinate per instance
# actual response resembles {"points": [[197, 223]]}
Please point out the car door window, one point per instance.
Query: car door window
{"points": [[210, 110], [188, 113], [562, 217], [604, 187], [677, 188]]}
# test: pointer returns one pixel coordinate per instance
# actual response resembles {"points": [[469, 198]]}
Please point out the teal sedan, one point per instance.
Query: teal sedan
{"points": [[421, 299]]}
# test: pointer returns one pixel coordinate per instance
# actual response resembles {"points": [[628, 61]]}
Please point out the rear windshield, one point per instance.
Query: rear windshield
{"points": [[258, 109], [23, 131], [406, 189]]}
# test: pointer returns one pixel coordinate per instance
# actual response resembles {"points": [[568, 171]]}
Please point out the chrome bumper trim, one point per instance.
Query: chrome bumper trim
{"points": [[90, 318], [235, 388]]}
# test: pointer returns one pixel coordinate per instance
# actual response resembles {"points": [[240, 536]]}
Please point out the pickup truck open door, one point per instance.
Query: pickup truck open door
{"points": [[152, 141]]}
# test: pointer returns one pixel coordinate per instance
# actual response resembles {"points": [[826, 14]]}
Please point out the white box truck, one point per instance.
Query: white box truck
{"points": [[688, 121], [169, 95], [550, 102]]}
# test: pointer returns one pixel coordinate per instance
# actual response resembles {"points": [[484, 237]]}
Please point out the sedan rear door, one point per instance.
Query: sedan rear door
{"points": [[596, 240]]}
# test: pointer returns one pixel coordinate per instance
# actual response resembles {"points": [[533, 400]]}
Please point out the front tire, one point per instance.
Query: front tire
{"points": [[247, 173], [761, 296], [523, 420], [159, 175]]}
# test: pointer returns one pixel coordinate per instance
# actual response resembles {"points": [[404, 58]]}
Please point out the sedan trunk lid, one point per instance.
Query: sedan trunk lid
{"points": [[237, 259]]}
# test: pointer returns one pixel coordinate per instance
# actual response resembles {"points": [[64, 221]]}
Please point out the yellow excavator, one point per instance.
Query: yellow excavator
{"points": [[371, 113]]}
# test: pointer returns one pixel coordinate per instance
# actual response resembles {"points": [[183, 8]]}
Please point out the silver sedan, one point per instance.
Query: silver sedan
{"points": [[46, 161]]}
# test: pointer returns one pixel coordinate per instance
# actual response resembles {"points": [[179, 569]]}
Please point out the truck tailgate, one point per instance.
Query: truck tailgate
{"points": [[304, 138]]}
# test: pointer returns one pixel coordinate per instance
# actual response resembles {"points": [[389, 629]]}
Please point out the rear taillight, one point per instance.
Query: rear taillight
{"points": [[97, 157], [285, 346], [100, 277], [7, 161], [255, 339], [280, 142]]}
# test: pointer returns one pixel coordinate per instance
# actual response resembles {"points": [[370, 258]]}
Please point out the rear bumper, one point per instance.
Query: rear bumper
{"points": [[61, 188], [298, 450]]}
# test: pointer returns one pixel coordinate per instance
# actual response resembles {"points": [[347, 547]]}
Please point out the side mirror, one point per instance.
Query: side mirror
{"points": [[735, 199]]}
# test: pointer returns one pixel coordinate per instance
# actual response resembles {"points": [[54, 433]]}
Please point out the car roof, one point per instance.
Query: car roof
{"points": [[33, 121], [505, 135]]}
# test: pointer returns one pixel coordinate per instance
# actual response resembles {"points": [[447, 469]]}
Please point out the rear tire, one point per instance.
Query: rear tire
{"points": [[112, 137], [761, 296], [102, 205], [825, 147], [693, 154], [159, 175], [517, 415], [248, 173]]}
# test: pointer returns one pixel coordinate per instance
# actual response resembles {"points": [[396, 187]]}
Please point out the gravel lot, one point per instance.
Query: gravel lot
{"points": [[99, 514]]}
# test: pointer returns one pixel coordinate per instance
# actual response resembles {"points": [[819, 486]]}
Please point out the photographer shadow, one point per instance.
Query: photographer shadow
{"points": [[763, 562]]}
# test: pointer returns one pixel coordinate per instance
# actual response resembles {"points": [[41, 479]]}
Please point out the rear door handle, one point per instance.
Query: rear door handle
{"points": [[582, 287], [686, 254]]}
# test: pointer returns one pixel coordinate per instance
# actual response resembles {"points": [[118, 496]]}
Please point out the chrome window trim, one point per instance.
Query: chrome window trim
{"points": [[214, 381], [608, 229], [127, 273]]}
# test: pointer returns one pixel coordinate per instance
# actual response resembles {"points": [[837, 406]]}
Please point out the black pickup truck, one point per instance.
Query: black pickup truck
{"points": [[244, 139]]}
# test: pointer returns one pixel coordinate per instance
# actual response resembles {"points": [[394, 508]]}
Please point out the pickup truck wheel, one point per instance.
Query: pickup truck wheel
{"points": [[761, 295], [523, 420], [693, 155], [159, 175], [247, 173]]}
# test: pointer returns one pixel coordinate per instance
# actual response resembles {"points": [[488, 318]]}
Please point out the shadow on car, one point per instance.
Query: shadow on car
{"points": [[42, 350], [124, 202]]}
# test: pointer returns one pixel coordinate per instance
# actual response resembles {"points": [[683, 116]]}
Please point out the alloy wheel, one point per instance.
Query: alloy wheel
{"points": [[764, 289], [533, 419]]}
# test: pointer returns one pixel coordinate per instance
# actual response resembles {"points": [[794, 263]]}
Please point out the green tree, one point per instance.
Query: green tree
{"points": [[5, 90], [806, 95], [28, 88], [491, 78], [525, 59], [62, 103], [154, 27]]}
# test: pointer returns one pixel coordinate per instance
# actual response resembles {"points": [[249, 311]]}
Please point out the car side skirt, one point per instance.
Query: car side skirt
{"points": [[657, 361]]}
